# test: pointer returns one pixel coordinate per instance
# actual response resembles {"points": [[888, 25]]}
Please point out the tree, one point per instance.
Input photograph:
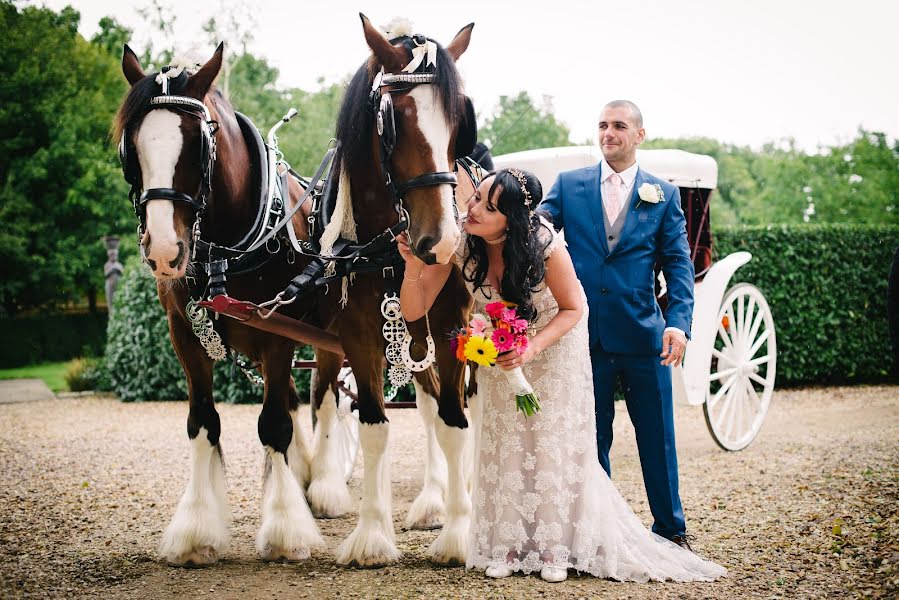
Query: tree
{"points": [[518, 123], [60, 187]]}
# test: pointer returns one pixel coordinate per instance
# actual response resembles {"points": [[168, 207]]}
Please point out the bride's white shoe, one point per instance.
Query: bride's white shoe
{"points": [[498, 572], [553, 574]]}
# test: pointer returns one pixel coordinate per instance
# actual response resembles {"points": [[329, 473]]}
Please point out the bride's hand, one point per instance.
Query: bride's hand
{"points": [[511, 359], [402, 243]]}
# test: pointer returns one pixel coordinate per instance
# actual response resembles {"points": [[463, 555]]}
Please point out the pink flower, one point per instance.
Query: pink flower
{"points": [[520, 325], [495, 309], [503, 340], [509, 315], [521, 344], [478, 325]]}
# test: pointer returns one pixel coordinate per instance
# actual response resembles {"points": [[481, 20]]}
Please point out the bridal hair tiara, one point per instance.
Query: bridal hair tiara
{"points": [[522, 181]]}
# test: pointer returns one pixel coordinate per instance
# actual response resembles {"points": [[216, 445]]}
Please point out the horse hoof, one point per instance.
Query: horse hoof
{"points": [[204, 556], [427, 523], [290, 555]]}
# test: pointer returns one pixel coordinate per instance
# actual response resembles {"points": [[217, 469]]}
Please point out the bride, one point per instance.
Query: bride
{"points": [[541, 501]]}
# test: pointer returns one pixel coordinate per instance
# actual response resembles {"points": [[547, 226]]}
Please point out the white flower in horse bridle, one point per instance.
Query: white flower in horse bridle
{"points": [[398, 27], [651, 193]]}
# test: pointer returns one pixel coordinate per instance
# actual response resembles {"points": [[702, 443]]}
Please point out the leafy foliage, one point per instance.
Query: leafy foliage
{"points": [[851, 183], [33, 339], [827, 289], [518, 124], [58, 173]]}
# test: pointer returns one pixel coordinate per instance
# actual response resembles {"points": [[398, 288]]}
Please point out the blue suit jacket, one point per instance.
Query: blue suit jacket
{"points": [[620, 286]]}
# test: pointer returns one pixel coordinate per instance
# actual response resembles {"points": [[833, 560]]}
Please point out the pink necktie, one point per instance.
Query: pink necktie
{"points": [[614, 203]]}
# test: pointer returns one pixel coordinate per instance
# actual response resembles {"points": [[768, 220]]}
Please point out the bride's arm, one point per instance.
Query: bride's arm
{"points": [[562, 282], [421, 283]]}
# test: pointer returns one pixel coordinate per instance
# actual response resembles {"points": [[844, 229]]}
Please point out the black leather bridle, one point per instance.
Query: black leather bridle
{"points": [[382, 103], [131, 169]]}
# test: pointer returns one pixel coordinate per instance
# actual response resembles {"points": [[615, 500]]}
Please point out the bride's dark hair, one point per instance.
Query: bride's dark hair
{"points": [[524, 268]]}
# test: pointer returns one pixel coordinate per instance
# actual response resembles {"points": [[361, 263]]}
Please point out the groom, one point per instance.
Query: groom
{"points": [[620, 221]]}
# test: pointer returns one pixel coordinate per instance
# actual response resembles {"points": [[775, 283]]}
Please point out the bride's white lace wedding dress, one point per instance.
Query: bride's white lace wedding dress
{"points": [[540, 495]]}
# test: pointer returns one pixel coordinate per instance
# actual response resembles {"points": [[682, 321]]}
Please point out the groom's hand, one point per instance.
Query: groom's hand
{"points": [[674, 344]]}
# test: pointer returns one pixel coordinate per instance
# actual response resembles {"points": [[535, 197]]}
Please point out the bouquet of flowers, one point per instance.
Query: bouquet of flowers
{"points": [[485, 338]]}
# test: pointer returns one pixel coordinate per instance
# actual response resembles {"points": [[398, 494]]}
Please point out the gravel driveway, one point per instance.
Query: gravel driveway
{"points": [[809, 510]]}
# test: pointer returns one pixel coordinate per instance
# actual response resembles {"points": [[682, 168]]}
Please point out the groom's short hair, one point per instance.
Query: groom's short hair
{"points": [[635, 111]]}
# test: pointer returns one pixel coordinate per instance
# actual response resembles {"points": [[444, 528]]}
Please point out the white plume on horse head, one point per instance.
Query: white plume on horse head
{"points": [[184, 62], [398, 27]]}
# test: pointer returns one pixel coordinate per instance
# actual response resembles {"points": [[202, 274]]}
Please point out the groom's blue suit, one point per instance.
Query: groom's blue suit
{"points": [[626, 324]]}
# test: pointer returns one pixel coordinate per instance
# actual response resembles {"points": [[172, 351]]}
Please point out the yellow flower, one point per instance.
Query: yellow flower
{"points": [[480, 350]]}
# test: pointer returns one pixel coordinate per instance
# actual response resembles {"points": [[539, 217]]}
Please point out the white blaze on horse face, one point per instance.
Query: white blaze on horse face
{"points": [[158, 143], [433, 125]]}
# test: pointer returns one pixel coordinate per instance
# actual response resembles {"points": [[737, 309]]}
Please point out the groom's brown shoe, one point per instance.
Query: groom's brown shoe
{"points": [[682, 541]]}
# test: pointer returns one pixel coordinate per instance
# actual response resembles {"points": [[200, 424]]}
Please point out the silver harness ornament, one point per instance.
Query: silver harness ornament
{"points": [[205, 331]]}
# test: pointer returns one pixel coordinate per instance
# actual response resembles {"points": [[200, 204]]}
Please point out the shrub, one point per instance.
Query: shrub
{"points": [[827, 289], [83, 374]]}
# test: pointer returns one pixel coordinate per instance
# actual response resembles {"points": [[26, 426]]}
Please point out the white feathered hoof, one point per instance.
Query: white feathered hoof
{"points": [[428, 511], [449, 547], [368, 546], [197, 557], [288, 531], [329, 498], [194, 538], [280, 538]]}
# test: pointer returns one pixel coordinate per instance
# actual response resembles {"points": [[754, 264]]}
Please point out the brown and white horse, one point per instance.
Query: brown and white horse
{"points": [[191, 156], [427, 125]]}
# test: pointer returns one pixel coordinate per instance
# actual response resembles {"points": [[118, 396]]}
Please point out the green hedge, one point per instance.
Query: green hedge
{"points": [[826, 286], [140, 362], [51, 338]]}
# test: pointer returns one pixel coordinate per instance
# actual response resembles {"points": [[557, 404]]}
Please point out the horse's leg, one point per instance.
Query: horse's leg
{"points": [[328, 493], [449, 311], [198, 532], [428, 509], [287, 530], [297, 452], [372, 541]]}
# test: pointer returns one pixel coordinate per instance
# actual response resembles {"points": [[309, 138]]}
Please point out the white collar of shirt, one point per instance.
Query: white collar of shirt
{"points": [[627, 176]]}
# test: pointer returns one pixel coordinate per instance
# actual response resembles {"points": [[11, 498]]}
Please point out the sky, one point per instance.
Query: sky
{"points": [[741, 72]]}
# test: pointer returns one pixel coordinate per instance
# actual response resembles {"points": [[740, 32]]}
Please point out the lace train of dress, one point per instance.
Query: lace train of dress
{"points": [[540, 495]]}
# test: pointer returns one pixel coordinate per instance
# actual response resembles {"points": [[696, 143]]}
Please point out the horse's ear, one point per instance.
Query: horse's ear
{"points": [[200, 82], [131, 66], [391, 57], [459, 45]]}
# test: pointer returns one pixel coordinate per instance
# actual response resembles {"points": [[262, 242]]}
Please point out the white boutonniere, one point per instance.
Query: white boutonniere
{"points": [[650, 192]]}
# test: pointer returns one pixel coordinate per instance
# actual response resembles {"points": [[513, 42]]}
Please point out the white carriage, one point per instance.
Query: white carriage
{"points": [[731, 359]]}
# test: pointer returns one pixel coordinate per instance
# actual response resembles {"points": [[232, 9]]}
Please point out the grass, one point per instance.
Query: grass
{"points": [[53, 374]]}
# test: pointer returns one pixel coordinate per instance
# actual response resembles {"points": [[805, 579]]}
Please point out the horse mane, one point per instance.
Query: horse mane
{"points": [[138, 98]]}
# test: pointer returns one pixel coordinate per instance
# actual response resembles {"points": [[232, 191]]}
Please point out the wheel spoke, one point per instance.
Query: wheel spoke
{"points": [[756, 323], [754, 395], [725, 336], [758, 343], [738, 323], [721, 391], [755, 377], [760, 360], [719, 355], [748, 319], [722, 374], [733, 399]]}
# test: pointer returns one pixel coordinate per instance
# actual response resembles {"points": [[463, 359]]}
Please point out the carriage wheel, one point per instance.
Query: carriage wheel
{"points": [[346, 430], [744, 364]]}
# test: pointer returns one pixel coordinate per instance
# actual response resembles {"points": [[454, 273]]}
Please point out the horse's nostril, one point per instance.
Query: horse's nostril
{"points": [[424, 246], [152, 264], [177, 260]]}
